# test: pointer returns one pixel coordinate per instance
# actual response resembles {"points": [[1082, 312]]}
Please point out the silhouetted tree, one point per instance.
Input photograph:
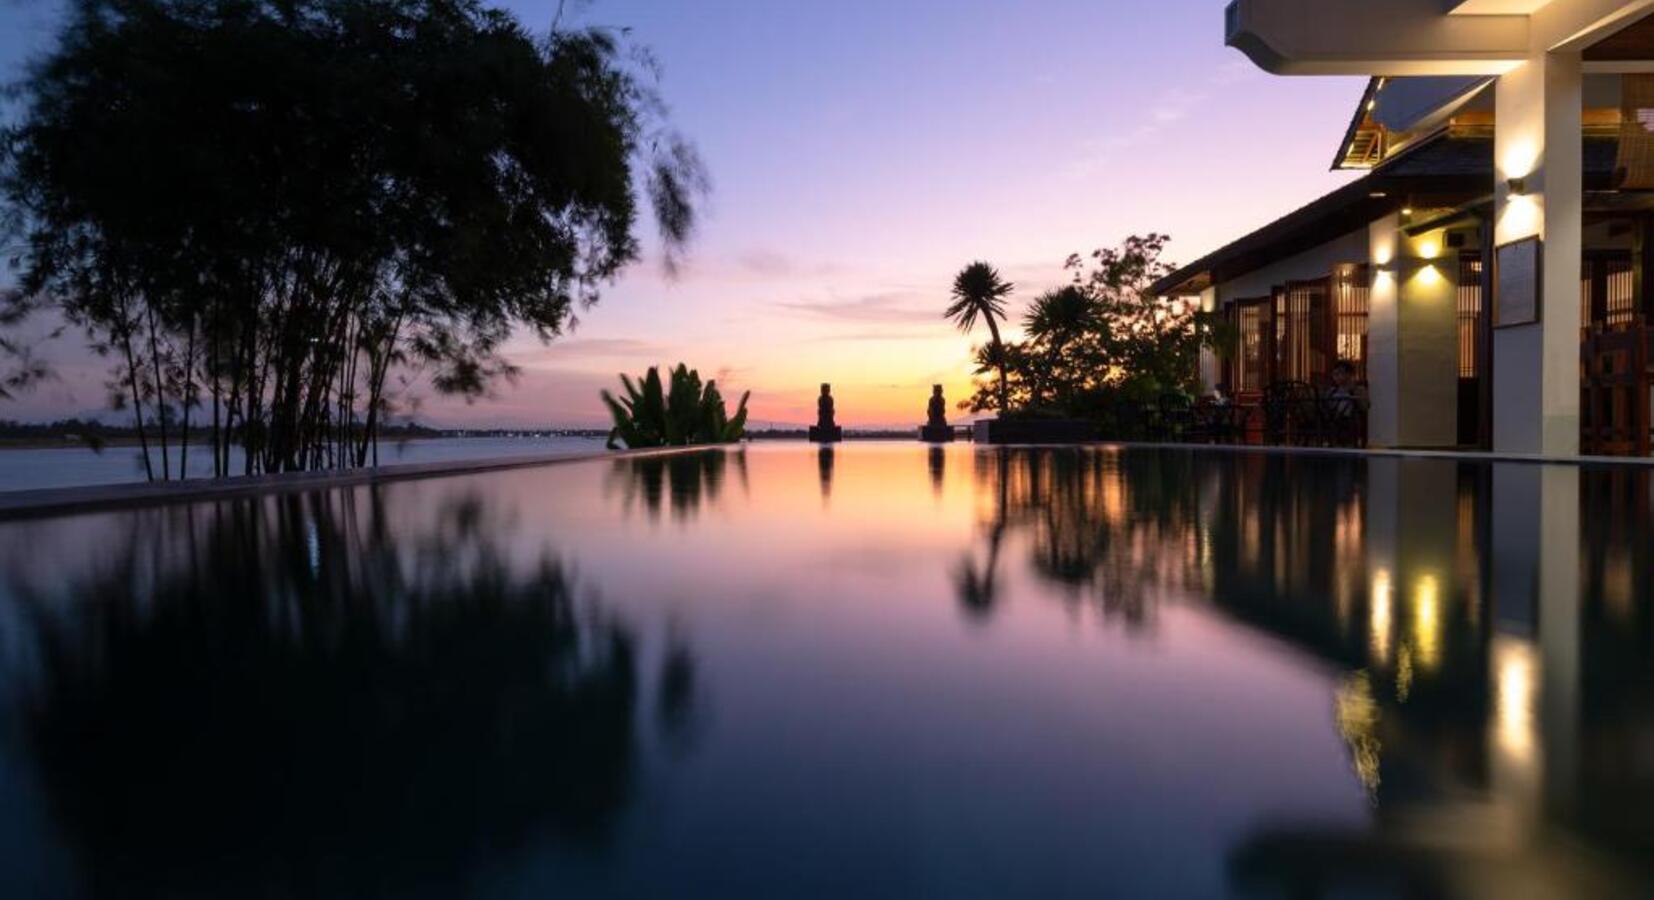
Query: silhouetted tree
{"points": [[979, 293], [270, 207], [1060, 326]]}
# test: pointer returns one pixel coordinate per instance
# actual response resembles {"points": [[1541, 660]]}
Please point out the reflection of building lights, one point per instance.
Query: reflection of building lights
{"points": [[1404, 673], [1356, 713], [1513, 671], [1427, 621], [1379, 623]]}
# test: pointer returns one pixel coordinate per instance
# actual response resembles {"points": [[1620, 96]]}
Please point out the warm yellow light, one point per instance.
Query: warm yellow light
{"points": [[1379, 616], [1429, 275], [1430, 248], [1514, 681], [1520, 218], [1520, 158], [1427, 621]]}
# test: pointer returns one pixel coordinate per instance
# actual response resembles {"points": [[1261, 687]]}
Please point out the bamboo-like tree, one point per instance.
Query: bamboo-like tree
{"points": [[979, 293], [269, 213]]}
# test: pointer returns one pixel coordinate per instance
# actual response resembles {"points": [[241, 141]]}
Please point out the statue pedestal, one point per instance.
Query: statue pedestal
{"points": [[936, 434], [831, 435]]}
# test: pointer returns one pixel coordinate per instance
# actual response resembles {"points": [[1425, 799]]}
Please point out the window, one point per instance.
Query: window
{"points": [[1470, 315], [1351, 287]]}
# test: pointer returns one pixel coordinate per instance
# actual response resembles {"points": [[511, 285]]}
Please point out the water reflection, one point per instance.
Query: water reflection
{"points": [[1063, 672], [824, 463], [299, 697], [676, 483], [1495, 748]]}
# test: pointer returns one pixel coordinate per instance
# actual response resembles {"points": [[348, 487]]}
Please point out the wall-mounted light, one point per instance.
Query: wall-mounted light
{"points": [[1378, 195], [1517, 186], [1407, 210]]}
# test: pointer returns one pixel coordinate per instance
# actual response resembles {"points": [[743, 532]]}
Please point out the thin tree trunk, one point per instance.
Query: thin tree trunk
{"points": [[137, 397], [160, 392], [999, 357], [189, 395]]}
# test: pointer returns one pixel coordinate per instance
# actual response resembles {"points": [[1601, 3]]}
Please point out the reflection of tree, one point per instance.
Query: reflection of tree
{"points": [[937, 463], [679, 482], [978, 587], [1113, 528], [285, 698]]}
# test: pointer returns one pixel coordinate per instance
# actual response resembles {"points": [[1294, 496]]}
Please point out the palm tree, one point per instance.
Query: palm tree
{"points": [[1057, 319], [978, 291]]}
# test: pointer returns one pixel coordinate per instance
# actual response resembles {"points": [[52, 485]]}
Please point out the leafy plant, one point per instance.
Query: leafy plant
{"points": [[652, 415]]}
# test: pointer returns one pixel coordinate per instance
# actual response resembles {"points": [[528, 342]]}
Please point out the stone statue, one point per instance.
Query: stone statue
{"points": [[936, 430], [826, 430]]}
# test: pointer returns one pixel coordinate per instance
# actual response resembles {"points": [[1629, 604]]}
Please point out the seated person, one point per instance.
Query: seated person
{"points": [[1344, 399]]}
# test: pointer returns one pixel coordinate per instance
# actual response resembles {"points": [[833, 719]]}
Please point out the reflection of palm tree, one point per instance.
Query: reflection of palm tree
{"points": [[296, 696], [979, 292], [979, 590]]}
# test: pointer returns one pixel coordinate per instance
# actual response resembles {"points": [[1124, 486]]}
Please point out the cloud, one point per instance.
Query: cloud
{"points": [[1168, 108], [892, 335], [888, 307], [590, 348]]}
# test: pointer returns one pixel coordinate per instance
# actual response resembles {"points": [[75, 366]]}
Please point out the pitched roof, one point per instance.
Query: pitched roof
{"points": [[1444, 165]]}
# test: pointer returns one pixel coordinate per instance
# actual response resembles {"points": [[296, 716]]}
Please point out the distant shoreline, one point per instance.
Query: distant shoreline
{"points": [[200, 438]]}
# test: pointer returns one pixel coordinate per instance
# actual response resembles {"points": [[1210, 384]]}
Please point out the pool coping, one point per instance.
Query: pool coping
{"points": [[1482, 456], [102, 497], [98, 498]]}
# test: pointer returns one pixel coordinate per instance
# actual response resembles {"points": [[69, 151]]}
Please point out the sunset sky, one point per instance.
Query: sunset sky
{"points": [[862, 151]]}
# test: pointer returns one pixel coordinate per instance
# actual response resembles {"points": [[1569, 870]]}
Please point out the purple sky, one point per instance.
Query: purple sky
{"points": [[862, 152]]}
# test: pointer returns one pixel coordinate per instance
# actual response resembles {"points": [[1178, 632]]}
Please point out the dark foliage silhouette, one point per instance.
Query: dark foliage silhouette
{"points": [[300, 700], [269, 213]]}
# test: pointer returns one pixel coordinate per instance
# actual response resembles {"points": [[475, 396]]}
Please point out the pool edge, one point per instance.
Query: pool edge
{"points": [[47, 502]]}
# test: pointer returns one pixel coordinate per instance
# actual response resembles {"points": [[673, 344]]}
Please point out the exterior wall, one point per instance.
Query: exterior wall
{"points": [[1412, 339], [1209, 371], [1317, 262]]}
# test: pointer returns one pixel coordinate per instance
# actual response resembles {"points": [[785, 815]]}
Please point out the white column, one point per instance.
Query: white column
{"points": [[1412, 339], [1538, 140], [1209, 375]]}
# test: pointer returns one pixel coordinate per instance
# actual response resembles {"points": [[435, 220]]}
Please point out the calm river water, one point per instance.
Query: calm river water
{"points": [[875, 671]]}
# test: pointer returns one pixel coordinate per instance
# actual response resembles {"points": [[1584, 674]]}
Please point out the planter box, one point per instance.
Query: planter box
{"points": [[1035, 431]]}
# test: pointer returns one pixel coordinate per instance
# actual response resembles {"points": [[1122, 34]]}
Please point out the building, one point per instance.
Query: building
{"points": [[1488, 274]]}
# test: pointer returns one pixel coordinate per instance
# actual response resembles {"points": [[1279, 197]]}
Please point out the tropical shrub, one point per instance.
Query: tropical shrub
{"points": [[1102, 345], [652, 415]]}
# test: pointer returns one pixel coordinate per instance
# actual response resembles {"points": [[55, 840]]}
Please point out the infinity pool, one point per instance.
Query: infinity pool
{"points": [[874, 671]]}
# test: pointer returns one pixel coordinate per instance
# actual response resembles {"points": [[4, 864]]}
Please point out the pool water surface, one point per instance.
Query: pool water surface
{"points": [[869, 671]]}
